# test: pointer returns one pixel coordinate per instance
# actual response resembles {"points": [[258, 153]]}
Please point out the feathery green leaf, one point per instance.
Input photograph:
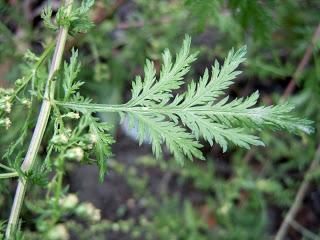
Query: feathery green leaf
{"points": [[180, 120]]}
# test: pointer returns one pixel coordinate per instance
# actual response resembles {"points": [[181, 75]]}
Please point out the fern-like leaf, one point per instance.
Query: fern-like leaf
{"points": [[179, 121]]}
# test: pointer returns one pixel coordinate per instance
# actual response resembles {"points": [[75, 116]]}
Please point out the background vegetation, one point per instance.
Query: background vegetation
{"points": [[240, 194]]}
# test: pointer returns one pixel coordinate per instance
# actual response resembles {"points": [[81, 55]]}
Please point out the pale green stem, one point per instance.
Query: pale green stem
{"points": [[41, 60], [42, 121], [9, 175], [5, 167], [91, 107]]}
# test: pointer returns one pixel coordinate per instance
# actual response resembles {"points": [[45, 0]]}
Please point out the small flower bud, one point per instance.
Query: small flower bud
{"points": [[89, 146], [115, 227], [225, 208], [6, 91], [26, 102], [89, 141], [143, 221], [30, 56], [5, 123], [59, 139], [69, 202], [87, 210], [7, 107], [19, 81], [93, 138], [58, 232], [75, 153], [5, 104]]}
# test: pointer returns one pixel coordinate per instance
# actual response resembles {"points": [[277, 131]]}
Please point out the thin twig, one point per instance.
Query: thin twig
{"points": [[42, 121], [299, 70], [6, 167], [298, 199], [305, 232], [302, 64]]}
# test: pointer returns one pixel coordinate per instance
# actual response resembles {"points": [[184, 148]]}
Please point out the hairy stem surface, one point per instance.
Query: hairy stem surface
{"points": [[42, 121]]}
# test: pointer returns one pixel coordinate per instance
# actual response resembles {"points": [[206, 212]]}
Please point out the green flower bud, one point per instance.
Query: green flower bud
{"points": [[58, 232], [89, 211], [19, 81], [115, 227], [225, 208], [7, 107], [69, 202], [93, 138], [75, 153], [5, 123], [26, 102], [5, 104], [60, 139], [6, 91]]}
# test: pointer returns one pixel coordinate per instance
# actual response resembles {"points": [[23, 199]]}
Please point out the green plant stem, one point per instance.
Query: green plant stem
{"points": [[5, 167], [58, 188], [39, 63], [42, 121], [35, 69], [8, 175], [91, 107]]}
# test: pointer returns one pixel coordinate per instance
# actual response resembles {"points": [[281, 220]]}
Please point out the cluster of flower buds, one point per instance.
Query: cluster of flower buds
{"points": [[5, 106], [69, 202], [88, 211], [90, 140], [60, 139], [58, 232], [75, 153], [5, 122], [78, 152], [122, 225], [26, 103], [20, 81], [85, 210]]}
